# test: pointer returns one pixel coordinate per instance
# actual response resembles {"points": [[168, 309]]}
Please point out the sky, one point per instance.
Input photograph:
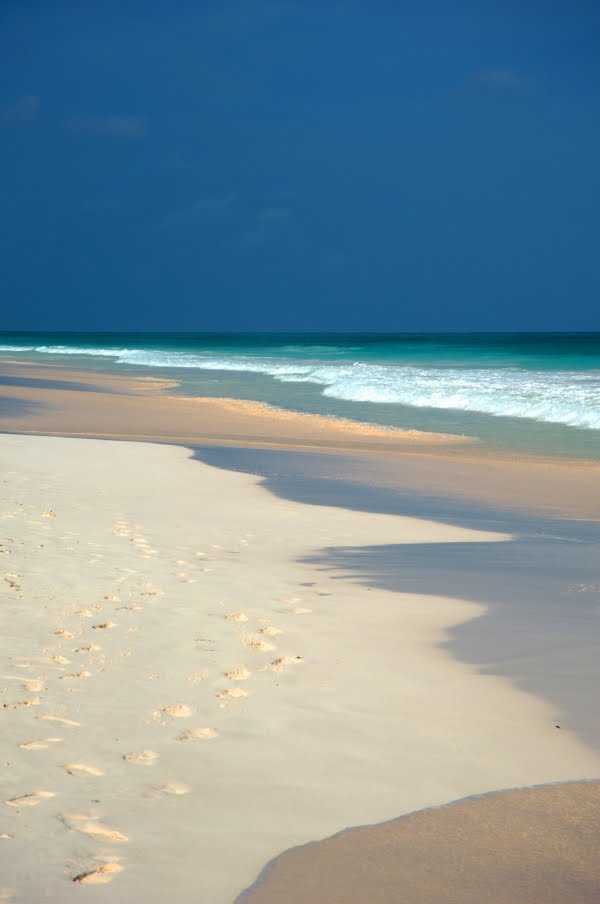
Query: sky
{"points": [[286, 165]]}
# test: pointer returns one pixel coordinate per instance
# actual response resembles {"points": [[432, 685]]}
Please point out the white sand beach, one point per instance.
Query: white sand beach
{"points": [[182, 697]]}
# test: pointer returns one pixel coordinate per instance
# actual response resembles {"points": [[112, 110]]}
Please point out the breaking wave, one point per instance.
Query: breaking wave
{"points": [[550, 396]]}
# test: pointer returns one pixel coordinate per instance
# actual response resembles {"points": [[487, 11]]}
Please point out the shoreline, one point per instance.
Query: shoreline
{"points": [[239, 653], [117, 407], [501, 865]]}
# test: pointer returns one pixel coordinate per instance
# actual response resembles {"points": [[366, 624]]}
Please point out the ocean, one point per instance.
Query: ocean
{"points": [[536, 393]]}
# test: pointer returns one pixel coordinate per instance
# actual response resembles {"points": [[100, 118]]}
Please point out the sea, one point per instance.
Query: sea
{"points": [[536, 393]]}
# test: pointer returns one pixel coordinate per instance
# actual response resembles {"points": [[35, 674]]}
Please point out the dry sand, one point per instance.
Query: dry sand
{"points": [[182, 698]]}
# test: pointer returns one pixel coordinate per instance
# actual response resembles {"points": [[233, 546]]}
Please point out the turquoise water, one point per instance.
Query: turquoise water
{"points": [[529, 392]]}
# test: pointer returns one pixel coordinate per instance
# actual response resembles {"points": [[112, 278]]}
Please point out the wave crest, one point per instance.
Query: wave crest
{"points": [[560, 397]]}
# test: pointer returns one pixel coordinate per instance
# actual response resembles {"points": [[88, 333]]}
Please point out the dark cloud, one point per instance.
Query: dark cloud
{"points": [[110, 126]]}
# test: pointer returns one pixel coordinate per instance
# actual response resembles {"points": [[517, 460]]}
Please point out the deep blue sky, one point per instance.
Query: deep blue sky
{"points": [[265, 164]]}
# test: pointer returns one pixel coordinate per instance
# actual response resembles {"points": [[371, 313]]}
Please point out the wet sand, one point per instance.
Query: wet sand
{"points": [[49, 399], [531, 846]]}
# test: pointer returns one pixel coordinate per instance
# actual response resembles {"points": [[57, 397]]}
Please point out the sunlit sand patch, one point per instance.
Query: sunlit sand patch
{"points": [[237, 616], [82, 769], [198, 734], [29, 800], [302, 610], [41, 744], [239, 674], [100, 875], [37, 684], [49, 513], [141, 757], [84, 613], [64, 633], [5, 836]]}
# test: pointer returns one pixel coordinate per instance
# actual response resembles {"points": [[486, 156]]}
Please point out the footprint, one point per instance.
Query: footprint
{"points": [[38, 684], [104, 626], [29, 800], [90, 648], [256, 643], [111, 598], [279, 665], [240, 674], [237, 616], [99, 876], [56, 657], [74, 675], [232, 692], [33, 701], [169, 789], [42, 744], [82, 769], [270, 630], [177, 710], [198, 734], [63, 633], [50, 718], [141, 757], [100, 832]]}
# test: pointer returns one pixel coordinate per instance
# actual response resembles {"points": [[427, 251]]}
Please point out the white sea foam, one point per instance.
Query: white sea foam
{"points": [[552, 396], [16, 348]]}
